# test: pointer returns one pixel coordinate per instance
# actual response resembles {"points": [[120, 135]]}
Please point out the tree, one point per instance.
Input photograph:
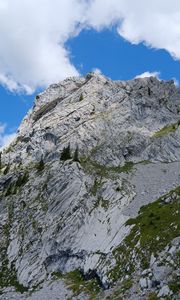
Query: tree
{"points": [[76, 155], [66, 153]]}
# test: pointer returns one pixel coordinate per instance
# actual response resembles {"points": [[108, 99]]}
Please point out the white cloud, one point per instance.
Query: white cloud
{"points": [[34, 33], [5, 139], [97, 71], [176, 82], [149, 74], [155, 22]]}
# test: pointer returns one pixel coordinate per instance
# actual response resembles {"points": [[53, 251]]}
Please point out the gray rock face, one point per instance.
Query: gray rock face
{"points": [[87, 156]]}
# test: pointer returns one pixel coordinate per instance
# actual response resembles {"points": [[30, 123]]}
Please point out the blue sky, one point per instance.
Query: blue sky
{"points": [[119, 51]]}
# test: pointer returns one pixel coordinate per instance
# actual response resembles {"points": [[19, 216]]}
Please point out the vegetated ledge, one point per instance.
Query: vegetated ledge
{"points": [[167, 129], [156, 225], [46, 108], [92, 166], [79, 283]]}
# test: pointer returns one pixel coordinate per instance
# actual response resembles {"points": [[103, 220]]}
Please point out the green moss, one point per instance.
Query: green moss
{"points": [[156, 225], [166, 130]]}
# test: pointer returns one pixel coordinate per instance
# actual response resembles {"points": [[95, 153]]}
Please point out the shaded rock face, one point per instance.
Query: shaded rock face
{"points": [[87, 157]]}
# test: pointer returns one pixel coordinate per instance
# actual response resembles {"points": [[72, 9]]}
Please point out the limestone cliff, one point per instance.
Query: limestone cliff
{"points": [[89, 193]]}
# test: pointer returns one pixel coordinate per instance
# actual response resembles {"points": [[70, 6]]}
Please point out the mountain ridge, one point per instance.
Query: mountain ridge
{"points": [[87, 157]]}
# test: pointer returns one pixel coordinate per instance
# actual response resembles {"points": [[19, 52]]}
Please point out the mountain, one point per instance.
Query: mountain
{"points": [[89, 193]]}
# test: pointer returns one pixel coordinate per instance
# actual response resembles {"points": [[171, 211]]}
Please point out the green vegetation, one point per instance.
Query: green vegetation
{"points": [[167, 129], [76, 155], [152, 296], [8, 150], [14, 186], [6, 170], [66, 153], [115, 297], [154, 228], [126, 285], [96, 186], [8, 275], [40, 166], [22, 179], [94, 167], [0, 160], [76, 282], [121, 289], [81, 97], [100, 202], [174, 285], [57, 274]]}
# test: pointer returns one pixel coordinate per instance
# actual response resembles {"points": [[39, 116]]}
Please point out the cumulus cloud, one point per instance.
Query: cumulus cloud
{"points": [[5, 139], [176, 82], [155, 22], [149, 74], [33, 34]]}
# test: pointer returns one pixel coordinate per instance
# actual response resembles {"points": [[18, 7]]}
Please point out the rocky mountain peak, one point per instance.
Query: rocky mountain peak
{"points": [[89, 193]]}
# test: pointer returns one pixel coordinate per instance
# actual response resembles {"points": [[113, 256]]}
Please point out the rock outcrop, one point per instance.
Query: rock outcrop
{"points": [[89, 193]]}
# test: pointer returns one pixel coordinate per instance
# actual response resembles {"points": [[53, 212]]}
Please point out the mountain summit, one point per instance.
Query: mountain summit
{"points": [[89, 193]]}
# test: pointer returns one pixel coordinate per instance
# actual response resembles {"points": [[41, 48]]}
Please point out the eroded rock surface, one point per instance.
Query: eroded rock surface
{"points": [[87, 157]]}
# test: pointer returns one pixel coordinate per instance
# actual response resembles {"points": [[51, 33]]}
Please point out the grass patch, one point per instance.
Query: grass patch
{"points": [[126, 285], [8, 275], [152, 296], [14, 186], [58, 275], [166, 130], [103, 171], [76, 282], [8, 278], [156, 225]]}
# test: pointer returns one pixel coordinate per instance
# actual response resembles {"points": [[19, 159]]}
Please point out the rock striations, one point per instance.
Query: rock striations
{"points": [[89, 193]]}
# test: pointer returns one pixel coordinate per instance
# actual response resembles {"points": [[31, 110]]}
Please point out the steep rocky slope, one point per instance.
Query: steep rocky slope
{"points": [[89, 193]]}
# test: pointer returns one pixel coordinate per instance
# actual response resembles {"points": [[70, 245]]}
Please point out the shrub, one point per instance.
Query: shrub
{"points": [[81, 97]]}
